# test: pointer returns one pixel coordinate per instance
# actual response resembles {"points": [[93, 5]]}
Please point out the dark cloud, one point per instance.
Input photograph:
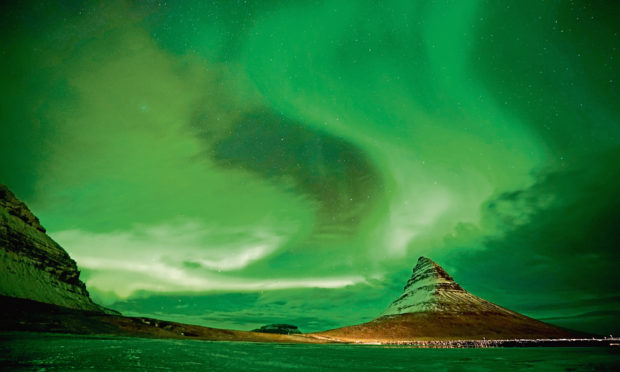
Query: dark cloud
{"points": [[557, 239], [329, 170], [603, 323]]}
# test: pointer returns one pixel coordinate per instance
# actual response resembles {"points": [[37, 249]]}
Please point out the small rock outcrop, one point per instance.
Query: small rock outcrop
{"points": [[283, 329], [32, 265]]}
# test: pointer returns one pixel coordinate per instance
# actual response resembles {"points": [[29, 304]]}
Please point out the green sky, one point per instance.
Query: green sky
{"points": [[236, 163]]}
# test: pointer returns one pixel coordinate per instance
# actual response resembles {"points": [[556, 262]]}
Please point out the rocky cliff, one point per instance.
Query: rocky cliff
{"points": [[434, 307], [32, 265]]}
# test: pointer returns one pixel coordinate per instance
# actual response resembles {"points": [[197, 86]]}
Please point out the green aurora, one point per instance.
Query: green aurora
{"points": [[237, 163]]}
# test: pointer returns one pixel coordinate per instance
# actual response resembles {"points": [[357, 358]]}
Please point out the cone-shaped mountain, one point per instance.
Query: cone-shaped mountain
{"points": [[434, 307]]}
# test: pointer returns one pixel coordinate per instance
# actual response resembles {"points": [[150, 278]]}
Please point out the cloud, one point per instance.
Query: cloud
{"points": [[182, 256], [335, 173], [221, 249], [554, 240]]}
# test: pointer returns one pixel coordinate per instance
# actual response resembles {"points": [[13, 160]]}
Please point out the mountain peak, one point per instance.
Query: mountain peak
{"points": [[431, 288], [427, 270]]}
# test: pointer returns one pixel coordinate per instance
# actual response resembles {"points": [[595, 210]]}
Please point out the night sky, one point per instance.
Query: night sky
{"points": [[237, 163]]}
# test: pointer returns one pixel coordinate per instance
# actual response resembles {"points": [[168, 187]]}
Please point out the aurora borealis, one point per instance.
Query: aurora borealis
{"points": [[238, 163]]}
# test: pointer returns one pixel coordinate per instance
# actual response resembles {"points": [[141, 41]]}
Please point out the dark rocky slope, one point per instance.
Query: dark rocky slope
{"points": [[32, 265]]}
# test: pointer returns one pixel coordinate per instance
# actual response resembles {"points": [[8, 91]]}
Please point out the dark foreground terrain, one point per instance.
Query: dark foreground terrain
{"points": [[32, 316], [52, 352], [20, 315]]}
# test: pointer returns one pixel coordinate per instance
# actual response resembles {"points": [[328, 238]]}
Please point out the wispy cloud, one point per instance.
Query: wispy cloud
{"points": [[182, 256]]}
